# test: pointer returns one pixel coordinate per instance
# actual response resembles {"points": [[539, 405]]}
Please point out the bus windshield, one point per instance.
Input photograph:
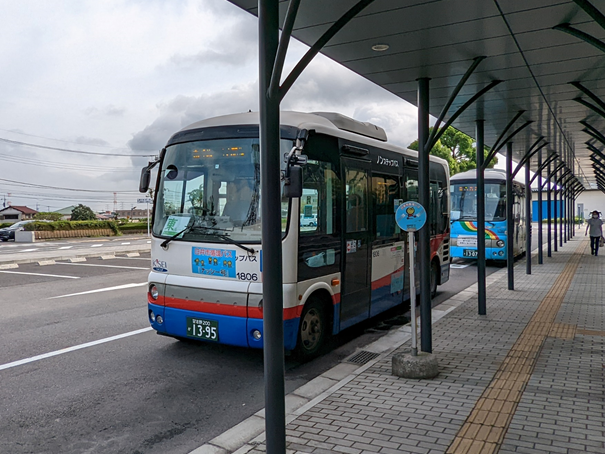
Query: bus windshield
{"points": [[464, 201], [211, 189]]}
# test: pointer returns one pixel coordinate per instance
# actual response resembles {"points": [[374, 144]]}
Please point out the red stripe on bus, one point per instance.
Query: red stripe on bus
{"points": [[226, 309], [384, 281], [208, 308], [289, 312]]}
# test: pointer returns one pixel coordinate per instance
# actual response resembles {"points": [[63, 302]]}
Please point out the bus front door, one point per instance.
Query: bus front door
{"points": [[355, 290]]}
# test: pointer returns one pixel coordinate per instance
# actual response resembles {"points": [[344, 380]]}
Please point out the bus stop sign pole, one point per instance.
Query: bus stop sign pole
{"points": [[410, 217]]}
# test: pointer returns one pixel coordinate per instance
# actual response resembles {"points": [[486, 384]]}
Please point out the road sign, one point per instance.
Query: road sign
{"points": [[410, 216], [144, 201]]}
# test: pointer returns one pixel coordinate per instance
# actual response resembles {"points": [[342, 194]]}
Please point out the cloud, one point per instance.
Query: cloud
{"points": [[91, 141], [323, 86], [109, 110], [184, 110], [235, 46]]}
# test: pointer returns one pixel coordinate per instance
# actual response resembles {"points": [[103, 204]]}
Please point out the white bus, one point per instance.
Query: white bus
{"points": [[347, 265]]}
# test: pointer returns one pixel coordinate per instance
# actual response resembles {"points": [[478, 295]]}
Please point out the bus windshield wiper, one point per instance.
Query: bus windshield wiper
{"points": [[164, 244], [228, 239], [214, 232]]}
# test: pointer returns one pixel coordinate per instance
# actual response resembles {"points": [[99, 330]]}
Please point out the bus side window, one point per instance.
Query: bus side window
{"points": [[433, 210], [411, 185], [385, 190], [319, 237]]}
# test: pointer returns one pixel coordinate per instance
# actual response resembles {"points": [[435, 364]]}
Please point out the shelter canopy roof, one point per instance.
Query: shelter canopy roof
{"points": [[439, 39]]}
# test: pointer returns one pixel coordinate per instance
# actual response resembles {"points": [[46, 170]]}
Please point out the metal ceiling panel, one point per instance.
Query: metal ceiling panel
{"points": [[440, 38]]}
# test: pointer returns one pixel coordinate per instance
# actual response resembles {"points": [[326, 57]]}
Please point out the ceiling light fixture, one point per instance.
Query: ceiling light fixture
{"points": [[380, 47]]}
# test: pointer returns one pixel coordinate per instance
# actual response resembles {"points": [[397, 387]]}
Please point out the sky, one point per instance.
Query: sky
{"points": [[91, 91]]}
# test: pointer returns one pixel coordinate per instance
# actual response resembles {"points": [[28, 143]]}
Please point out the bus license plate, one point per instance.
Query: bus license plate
{"points": [[469, 253], [202, 329]]}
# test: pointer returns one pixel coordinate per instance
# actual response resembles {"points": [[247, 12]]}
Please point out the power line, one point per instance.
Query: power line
{"points": [[57, 165], [62, 189], [57, 140], [16, 142]]}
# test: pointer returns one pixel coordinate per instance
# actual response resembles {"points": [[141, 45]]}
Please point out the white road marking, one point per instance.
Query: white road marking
{"points": [[105, 266], [66, 247], [71, 349], [455, 265], [39, 274], [30, 250], [124, 243], [148, 242], [96, 245], [107, 289]]}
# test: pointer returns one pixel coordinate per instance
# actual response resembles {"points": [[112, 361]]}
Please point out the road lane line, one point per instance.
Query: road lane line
{"points": [[71, 349], [29, 250], [39, 274], [66, 247], [96, 245], [105, 266], [107, 289], [124, 243]]}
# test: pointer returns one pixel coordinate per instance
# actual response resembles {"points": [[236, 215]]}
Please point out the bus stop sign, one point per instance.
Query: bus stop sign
{"points": [[410, 216]]}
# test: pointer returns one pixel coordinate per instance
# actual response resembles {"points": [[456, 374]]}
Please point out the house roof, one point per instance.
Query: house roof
{"points": [[22, 209], [66, 210]]}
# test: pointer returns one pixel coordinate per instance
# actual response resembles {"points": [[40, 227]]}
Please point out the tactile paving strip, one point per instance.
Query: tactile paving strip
{"points": [[484, 430]]}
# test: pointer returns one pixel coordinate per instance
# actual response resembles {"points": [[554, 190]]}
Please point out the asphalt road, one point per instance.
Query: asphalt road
{"points": [[82, 372], [141, 393]]}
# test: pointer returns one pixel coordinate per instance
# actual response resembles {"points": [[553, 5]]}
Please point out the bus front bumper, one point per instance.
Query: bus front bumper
{"points": [[230, 330]]}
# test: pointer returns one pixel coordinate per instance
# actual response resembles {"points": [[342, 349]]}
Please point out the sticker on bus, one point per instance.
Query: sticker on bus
{"points": [[213, 262]]}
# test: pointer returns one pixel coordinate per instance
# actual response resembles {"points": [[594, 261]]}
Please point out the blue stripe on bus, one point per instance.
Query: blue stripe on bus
{"points": [[235, 331]]}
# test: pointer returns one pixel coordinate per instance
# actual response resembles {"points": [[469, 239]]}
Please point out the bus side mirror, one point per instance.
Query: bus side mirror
{"points": [[293, 183], [145, 179]]}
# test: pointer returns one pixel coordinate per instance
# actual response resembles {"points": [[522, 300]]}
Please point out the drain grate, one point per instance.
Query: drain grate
{"points": [[362, 357]]}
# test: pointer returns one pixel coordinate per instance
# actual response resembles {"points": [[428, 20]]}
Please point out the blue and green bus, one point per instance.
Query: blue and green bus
{"points": [[463, 215]]}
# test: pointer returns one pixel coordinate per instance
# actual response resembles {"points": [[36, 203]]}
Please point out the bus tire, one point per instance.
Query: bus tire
{"points": [[312, 329], [434, 278]]}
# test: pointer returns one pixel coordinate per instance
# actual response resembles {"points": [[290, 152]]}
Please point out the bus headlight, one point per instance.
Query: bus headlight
{"points": [[500, 243], [153, 291]]}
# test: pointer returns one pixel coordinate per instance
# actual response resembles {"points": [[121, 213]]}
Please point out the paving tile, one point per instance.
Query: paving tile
{"points": [[519, 365]]}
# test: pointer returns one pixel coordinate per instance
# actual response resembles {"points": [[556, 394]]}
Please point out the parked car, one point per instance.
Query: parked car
{"points": [[8, 233], [308, 221]]}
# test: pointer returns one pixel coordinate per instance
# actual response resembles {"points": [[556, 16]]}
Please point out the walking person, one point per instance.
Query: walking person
{"points": [[595, 226]]}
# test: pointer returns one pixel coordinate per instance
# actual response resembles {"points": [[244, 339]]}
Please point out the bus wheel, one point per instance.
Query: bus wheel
{"points": [[434, 271], [311, 330]]}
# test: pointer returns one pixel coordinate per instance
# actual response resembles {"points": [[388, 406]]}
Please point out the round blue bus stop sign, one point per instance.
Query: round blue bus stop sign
{"points": [[410, 216]]}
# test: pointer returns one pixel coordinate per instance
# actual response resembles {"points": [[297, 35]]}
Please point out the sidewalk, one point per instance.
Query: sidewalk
{"points": [[526, 378], [47, 252]]}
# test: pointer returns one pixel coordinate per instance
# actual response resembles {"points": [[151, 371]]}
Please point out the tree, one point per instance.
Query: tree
{"points": [[82, 213], [458, 149]]}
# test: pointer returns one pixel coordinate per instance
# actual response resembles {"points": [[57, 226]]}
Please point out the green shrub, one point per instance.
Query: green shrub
{"points": [[5, 224], [72, 225], [133, 226], [48, 216]]}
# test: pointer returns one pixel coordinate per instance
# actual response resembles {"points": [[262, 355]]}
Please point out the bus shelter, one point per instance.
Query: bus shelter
{"points": [[524, 78]]}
